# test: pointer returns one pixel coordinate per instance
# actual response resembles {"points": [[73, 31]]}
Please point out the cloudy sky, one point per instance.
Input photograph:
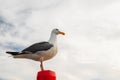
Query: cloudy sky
{"points": [[88, 51]]}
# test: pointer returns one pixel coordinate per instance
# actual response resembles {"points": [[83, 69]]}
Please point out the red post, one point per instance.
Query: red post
{"points": [[46, 75]]}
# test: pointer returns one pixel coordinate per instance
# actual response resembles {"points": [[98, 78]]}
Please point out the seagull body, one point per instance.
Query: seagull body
{"points": [[44, 50], [40, 51]]}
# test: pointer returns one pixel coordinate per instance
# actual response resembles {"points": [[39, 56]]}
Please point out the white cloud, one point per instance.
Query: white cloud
{"points": [[89, 51]]}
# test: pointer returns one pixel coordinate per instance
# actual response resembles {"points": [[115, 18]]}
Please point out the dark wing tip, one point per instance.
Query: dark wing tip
{"points": [[13, 53], [8, 52]]}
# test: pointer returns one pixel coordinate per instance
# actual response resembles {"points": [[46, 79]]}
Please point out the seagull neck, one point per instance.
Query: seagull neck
{"points": [[53, 38]]}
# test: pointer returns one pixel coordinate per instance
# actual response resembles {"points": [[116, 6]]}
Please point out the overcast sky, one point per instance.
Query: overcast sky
{"points": [[90, 50]]}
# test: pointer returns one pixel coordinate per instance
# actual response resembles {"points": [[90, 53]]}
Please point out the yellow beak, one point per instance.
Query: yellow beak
{"points": [[62, 33]]}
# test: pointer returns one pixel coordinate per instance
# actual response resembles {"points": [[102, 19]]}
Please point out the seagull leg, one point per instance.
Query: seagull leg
{"points": [[41, 64]]}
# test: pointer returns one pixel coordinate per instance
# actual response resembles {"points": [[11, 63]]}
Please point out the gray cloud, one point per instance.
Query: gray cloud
{"points": [[5, 26], [12, 46]]}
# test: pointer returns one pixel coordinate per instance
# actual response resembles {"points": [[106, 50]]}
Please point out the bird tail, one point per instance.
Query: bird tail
{"points": [[13, 53]]}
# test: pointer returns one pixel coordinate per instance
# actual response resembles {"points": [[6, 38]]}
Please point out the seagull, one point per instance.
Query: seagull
{"points": [[40, 51]]}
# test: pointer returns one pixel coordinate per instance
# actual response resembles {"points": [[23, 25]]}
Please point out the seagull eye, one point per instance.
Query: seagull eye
{"points": [[57, 29]]}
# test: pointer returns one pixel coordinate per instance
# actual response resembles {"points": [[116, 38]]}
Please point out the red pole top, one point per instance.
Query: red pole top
{"points": [[46, 75]]}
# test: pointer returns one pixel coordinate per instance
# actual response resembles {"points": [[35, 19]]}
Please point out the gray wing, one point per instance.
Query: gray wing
{"points": [[38, 47]]}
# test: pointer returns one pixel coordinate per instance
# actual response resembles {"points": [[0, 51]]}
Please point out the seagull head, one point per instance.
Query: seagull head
{"points": [[57, 31], [54, 33]]}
